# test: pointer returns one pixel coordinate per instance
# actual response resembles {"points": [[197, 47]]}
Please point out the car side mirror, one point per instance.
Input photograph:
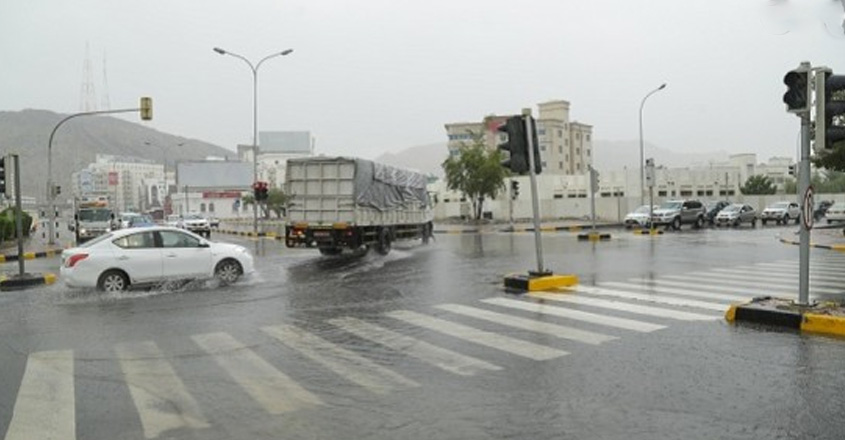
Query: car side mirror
{"points": [[204, 244]]}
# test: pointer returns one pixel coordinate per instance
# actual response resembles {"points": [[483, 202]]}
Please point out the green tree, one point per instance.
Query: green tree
{"points": [[790, 187], [477, 172], [247, 200], [277, 201], [756, 185]]}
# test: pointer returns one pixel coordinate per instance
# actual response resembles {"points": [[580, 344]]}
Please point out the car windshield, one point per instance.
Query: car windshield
{"points": [[671, 205], [779, 205], [193, 217], [732, 208], [94, 215], [642, 210]]}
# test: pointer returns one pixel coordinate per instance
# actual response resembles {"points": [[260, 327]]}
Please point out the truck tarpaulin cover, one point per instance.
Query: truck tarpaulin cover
{"points": [[385, 188]]}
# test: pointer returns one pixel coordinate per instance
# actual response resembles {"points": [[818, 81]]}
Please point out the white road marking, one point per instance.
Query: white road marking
{"points": [[742, 284], [162, 401], [439, 357], [558, 331], [741, 291], [351, 366], [504, 343], [788, 276], [609, 321], [669, 300], [272, 389], [45, 408], [624, 306], [647, 285]]}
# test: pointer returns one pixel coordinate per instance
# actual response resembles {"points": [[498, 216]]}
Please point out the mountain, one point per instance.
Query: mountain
{"points": [[423, 158], [79, 140], [616, 155]]}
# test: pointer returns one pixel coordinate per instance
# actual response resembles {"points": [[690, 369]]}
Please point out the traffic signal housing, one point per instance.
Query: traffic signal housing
{"points": [[146, 108], [538, 164], [830, 111], [797, 96], [260, 190], [514, 189], [515, 145], [792, 170], [3, 186]]}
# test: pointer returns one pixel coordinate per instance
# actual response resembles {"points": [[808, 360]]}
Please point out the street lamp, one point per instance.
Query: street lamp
{"points": [[254, 68], [642, 161], [164, 149]]}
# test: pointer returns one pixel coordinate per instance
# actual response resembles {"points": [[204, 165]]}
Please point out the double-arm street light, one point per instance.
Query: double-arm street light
{"points": [[642, 160], [254, 68]]}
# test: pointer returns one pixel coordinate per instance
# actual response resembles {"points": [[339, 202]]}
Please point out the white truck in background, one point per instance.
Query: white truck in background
{"points": [[342, 203]]}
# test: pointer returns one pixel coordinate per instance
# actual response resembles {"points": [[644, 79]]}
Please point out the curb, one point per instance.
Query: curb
{"points": [[832, 247], [571, 228], [594, 236], [766, 311], [250, 234], [31, 255], [648, 232], [28, 280]]}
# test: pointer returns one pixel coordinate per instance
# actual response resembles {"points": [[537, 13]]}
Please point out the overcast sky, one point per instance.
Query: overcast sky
{"points": [[372, 76]]}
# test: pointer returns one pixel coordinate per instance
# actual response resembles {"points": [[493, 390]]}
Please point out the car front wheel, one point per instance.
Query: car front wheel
{"points": [[676, 223], [228, 271]]}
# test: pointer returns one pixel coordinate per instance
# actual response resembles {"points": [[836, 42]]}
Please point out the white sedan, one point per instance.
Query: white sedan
{"points": [[136, 257]]}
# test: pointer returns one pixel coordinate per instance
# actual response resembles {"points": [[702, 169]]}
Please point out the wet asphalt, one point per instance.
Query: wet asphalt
{"points": [[688, 379]]}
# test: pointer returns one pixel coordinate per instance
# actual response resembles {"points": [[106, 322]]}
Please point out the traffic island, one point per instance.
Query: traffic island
{"points": [[25, 281], [822, 318], [533, 282], [594, 236]]}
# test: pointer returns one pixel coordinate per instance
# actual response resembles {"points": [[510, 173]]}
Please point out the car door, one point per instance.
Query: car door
{"points": [[184, 255], [139, 257]]}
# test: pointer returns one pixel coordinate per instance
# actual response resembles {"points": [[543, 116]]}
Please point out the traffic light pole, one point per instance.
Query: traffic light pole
{"points": [[538, 242], [593, 196], [510, 204], [18, 214], [804, 234]]}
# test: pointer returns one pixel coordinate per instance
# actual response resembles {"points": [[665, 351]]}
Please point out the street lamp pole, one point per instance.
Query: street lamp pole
{"points": [[642, 160], [254, 68]]}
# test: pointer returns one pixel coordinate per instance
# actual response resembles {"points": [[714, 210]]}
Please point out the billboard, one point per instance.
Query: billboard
{"points": [[113, 179], [214, 175]]}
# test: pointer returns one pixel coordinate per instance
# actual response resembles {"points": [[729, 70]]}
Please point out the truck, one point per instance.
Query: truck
{"points": [[339, 203], [91, 218]]}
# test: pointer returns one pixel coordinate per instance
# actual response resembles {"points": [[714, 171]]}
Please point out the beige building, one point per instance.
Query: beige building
{"points": [[566, 147]]}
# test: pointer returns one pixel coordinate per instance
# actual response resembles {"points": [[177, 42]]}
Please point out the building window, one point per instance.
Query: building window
{"points": [[661, 193], [588, 138], [558, 196], [560, 133], [566, 142], [211, 207], [566, 158], [588, 153], [578, 167], [560, 165], [202, 207], [544, 164], [543, 147], [578, 151], [578, 136], [541, 132], [560, 149]]}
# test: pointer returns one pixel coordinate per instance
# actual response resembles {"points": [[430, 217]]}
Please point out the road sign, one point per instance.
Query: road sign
{"points": [[807, 208]]}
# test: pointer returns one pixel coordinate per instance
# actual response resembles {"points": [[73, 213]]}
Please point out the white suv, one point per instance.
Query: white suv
{"points": [[781, 212]]}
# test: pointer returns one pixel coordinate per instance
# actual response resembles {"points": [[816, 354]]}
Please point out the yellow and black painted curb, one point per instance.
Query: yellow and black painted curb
{"points": [[828, 318], [648, 231], [538, 282], [30, 255], [570, 228], [272, 235], [833, 247], [28, 280], [594, 236]]}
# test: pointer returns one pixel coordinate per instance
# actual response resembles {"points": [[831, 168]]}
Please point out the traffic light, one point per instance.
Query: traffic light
{"points": [[797, 96], [594, 180], [146, 108], [515, 145], [830, 111], [260, 191], [514, 189], [538, 164], [3, 175], [792, 170]]}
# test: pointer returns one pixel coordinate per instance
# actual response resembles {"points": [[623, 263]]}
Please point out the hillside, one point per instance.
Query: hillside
{"points": [[79, 140]]}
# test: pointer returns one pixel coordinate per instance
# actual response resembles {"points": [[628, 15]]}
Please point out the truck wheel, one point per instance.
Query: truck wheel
{"points": [[330, 251], [427, 233], [383, 245]]}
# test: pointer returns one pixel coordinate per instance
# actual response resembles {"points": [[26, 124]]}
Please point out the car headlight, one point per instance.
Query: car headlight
{"points": [[82, 231]]}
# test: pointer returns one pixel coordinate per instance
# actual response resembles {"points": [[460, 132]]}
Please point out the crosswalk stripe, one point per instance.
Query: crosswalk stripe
{"points": [[819, 286], [789, 266], [625, 307], [814, 280], [440, 357], [344, 363], [488, 339], [648, 285], [740, 291], [162, 401], [558, 331], [794, 272], [814, 263], [741, 284], [668, 300], [561, 312], [273, 390], [45, 406]]}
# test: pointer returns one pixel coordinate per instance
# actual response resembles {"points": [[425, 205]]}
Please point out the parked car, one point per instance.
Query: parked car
{"points": [[141, 221], [713, 208], [214, 222], [639, 217], [835, 213], [675, 213], [737, 214], [174, 221], [821, 208], [118, 260], [781, 212], [125, 219], [197, 224]]}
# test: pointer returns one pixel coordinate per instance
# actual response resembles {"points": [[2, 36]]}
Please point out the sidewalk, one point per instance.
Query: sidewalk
{"points": [[821, 237], [570, 225]]}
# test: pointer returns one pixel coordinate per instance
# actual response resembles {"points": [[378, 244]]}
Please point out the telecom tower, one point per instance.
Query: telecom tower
{"points": [[106, 105], [87, 96]]}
